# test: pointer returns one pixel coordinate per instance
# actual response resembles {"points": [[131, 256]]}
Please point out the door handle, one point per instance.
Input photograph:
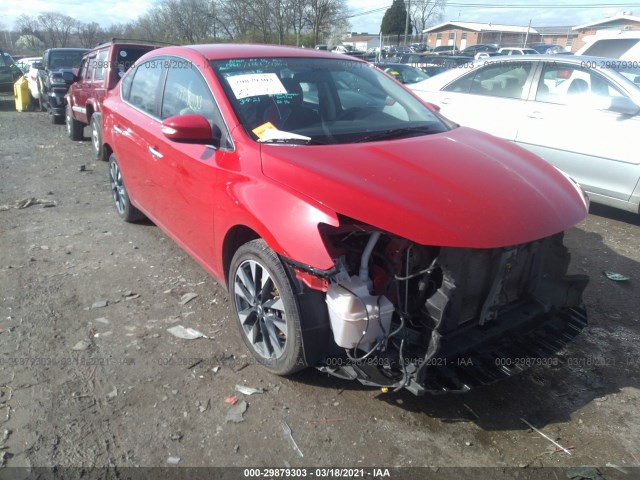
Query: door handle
{"points": [[536, 115], [117, 129], [446, 101], [155, 153]]}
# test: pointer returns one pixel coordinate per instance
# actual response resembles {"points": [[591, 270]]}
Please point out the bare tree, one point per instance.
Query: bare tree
{"points": [[89, 34], [322, 14], [57, 28], [426, 12]]}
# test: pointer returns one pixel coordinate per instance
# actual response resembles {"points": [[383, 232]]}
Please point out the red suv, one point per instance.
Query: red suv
{"points": [[100, 71], [356, 229]]}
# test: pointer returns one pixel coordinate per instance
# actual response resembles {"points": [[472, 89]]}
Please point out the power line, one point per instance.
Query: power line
{"points": [[511, 6]]}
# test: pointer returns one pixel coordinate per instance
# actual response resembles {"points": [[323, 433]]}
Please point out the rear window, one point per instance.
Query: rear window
{"points": [[611, 48], [126, 57], [65, 59]]}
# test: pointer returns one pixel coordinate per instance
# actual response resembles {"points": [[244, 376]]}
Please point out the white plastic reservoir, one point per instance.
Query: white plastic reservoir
{"points": [[349, 302]]}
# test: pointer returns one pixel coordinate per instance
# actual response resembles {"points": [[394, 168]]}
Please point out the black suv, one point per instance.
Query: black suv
{"points": [[54, 77], [9, 72]]}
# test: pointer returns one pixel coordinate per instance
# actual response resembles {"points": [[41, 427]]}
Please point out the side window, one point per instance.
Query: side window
{"points": [[85, 69], [495, 80], [101, 65], [186, 91], [565, 84], [143, 92]]}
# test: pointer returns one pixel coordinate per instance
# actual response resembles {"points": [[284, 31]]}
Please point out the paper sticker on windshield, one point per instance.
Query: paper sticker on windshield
{"points": [[254, 84], [259, 131]]}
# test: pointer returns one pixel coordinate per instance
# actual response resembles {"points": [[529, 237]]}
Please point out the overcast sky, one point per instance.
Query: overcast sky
{"points": [[548, 12]]}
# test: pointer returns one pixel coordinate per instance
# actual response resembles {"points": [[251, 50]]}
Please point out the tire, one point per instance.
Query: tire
{"points": [[96, 135], [123, 205], [74, 128], [268, 319]]}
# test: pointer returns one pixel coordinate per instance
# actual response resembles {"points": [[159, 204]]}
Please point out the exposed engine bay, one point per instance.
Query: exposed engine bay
{"points": [[440, 319]]}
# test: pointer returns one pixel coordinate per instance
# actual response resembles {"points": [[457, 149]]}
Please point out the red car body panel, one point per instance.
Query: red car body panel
{"points": [[430, 189]]}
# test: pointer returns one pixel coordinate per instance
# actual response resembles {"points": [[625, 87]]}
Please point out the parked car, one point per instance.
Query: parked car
{"points": [[578, 113], [445, 50], [435, 64], [549, 48], [623, 45], [58, 70], [419, 47], [517, 51], [403, 73], [25, 63], [100, 70], [9, 72], [356, 230], [473, 50]]}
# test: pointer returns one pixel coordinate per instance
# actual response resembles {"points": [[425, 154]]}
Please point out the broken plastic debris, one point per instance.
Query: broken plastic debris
{"points": [[100, 304], [81, 345], [185, 333], [187, 297], [617, 277], [173, 460], [248, 390], [231, 400], [287, 432], [235, 414], [27, 202], [113, 393]]}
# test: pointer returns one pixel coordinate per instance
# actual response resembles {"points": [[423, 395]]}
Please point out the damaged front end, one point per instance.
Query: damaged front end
{"points": [[437, 319]]}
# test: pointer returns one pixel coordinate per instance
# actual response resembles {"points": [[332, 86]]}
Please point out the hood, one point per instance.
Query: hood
{"points": [[461, 188]]}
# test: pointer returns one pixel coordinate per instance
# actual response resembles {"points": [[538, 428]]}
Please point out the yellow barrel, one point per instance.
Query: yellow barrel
{"points": [[21, 94]]}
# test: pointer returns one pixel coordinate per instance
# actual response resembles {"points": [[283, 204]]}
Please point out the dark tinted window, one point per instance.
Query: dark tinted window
{"points": [[126, 57], [143, 92], [65, 59]]}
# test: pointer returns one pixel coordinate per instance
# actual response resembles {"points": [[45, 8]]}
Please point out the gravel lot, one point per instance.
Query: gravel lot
{"points": [[89, 375]]}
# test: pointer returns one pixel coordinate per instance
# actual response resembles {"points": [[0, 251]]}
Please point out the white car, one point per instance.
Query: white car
{"points": [[517, 51], [24, 64], [581, 114]]}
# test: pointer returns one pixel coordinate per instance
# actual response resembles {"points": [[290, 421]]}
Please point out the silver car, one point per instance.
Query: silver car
{"points": [[581, 114]]}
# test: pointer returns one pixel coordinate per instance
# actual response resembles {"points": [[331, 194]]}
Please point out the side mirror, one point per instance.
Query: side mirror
{"points": [[38, 65], [69, 77], [188, 128], [624, 106]]}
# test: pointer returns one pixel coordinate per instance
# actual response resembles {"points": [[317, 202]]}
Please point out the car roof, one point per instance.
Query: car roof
{"points": [[227, 51], [442, 79]]}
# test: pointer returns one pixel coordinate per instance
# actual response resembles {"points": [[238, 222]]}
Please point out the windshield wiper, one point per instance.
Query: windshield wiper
{"points": [[395, 133]]}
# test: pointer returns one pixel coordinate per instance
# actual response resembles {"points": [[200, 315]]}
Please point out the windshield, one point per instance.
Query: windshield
{"points": [[65, 59], [327, 101]]}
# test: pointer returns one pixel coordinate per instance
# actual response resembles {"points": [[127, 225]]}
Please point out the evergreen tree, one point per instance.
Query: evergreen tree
{"points": [[394, 19]]}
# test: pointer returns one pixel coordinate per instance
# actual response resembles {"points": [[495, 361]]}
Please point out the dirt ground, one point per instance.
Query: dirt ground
{"points": [[89, 375]]}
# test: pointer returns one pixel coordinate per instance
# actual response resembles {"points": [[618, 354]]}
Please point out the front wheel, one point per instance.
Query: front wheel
{"points": [[123, 205], [266, 308], [74, 127]]}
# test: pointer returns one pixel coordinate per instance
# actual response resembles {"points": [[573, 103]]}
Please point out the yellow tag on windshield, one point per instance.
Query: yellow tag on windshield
{"points": [[259, 131]]}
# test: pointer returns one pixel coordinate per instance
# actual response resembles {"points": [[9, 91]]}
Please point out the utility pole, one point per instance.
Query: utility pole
{"points": [[526, 38]]}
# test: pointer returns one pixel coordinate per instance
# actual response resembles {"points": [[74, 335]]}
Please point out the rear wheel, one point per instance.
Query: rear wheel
{"points": [[96, 135], [123, 205], [266, 308], [74, 127], [53, 118]]}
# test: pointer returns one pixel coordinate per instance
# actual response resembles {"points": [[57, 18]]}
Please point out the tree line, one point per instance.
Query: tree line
{"points": [[292, 22]]}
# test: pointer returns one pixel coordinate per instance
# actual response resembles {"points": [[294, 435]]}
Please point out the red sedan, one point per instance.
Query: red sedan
{"points": [[357, 230]]}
